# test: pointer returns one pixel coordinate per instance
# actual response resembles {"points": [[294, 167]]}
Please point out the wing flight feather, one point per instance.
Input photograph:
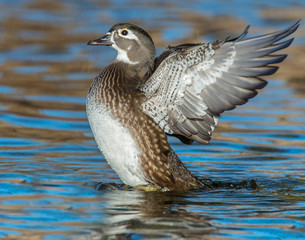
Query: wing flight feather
{"points": [[195, 83]]}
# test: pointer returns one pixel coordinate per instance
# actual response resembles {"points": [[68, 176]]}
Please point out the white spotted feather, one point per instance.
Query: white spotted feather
{"points": [[196, 83]]}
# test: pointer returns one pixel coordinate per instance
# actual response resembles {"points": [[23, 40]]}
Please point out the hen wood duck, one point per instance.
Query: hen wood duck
{"points": [[136, 101]]}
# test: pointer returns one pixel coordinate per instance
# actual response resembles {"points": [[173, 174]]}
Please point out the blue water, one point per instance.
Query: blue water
{"points": [[50, 164]]}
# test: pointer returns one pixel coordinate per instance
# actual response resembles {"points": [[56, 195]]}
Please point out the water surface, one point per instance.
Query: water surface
{"points": [[49, 162]]}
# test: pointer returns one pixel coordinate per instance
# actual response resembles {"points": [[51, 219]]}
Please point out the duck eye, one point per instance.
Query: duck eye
{"points": [[124, 32]]}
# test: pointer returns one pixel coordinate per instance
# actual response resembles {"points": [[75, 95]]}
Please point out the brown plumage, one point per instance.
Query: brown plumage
{"points": [[137, 100], [115, 87]]}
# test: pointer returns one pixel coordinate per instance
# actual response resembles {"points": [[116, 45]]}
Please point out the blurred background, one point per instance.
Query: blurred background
{"points": [[49, 161]]}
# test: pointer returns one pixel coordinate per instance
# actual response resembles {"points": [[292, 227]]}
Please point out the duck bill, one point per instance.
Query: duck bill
{"points": [[103, 41]]}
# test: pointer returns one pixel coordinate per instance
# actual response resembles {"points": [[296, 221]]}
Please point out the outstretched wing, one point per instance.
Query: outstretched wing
{"points": [[195, 83]]}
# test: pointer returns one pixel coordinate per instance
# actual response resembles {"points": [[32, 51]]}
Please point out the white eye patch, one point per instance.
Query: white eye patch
{"points": [[122, 53], [126, 33]]}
